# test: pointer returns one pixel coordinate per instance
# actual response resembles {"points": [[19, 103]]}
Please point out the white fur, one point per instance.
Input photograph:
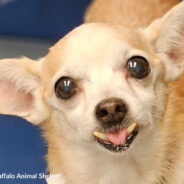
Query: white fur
{"points": [[56, 180]]}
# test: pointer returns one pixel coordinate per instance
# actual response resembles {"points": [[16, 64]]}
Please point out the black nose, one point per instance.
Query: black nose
{"points": [[111, 111]]}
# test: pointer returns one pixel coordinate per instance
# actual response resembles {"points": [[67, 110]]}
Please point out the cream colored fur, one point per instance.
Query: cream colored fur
{"points": [[95, 55]]}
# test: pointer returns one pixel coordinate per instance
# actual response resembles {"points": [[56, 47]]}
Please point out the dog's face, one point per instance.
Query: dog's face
{"points": [[104, 81], [100, 84]]}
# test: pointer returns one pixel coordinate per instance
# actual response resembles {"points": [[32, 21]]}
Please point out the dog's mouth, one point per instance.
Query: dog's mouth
{"points": [[117, 139]]}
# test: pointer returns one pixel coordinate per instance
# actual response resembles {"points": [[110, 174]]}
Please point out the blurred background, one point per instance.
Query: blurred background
{"points": [[29, 28]]}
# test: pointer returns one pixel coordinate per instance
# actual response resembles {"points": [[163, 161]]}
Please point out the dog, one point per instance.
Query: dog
{"points": [[109, 96]]}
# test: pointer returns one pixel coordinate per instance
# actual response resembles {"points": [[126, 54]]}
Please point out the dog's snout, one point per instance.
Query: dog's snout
{"points": [[111, 111]]}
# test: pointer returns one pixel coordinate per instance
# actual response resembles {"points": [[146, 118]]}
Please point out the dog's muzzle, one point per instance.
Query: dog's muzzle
{"points": [[113, 135]]}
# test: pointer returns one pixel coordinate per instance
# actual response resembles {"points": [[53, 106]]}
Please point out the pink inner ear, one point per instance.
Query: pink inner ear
{"points": [[14, 100]]}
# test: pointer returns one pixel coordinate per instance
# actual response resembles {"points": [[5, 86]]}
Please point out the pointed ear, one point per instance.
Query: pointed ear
{"points": [[166, 35], [20, 89]]}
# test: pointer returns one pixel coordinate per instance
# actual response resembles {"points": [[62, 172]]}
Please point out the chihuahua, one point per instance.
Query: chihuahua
{"points": [[109, 96]]}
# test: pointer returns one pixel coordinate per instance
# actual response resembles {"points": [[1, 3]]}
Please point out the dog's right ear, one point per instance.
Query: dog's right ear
{"points": [[166, 36], [20, 89]]}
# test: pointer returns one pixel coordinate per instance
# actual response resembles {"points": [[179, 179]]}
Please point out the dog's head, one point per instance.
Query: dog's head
{"points": [[100, 83]]}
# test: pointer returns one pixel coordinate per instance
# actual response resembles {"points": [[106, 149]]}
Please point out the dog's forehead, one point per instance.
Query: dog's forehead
{"points": [[87, 43], [91, 45]]}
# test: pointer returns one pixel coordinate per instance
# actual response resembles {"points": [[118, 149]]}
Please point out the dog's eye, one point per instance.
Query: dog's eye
{"points": [[138, 67], [65, 88]]}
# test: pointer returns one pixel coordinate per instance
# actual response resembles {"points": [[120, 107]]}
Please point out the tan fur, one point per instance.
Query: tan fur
{"points": [[140, 13], [131, 13], [168, 155], [137, 14]]}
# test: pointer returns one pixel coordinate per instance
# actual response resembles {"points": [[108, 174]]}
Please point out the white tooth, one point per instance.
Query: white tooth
{"points": [[117, 148], [100, 135], [131, 128], [129, 137]]}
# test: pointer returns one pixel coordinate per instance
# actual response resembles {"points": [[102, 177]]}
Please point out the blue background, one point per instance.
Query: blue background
{"points": [[49, 19], [22, 148]]}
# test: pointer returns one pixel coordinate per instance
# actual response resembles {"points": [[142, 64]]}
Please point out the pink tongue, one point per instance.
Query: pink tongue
{"points": [[117, 138]]}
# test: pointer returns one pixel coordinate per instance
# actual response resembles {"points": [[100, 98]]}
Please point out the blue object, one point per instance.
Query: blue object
{"points": [[22, 150], [50, 19]]}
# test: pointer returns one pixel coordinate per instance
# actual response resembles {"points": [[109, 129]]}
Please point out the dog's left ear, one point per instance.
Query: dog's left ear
{"points": [[166, 35], [20, 89]]}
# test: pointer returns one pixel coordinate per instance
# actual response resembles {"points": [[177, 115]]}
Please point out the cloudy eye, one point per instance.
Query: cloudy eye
{"points": [[65, 88], [138, 67]]}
